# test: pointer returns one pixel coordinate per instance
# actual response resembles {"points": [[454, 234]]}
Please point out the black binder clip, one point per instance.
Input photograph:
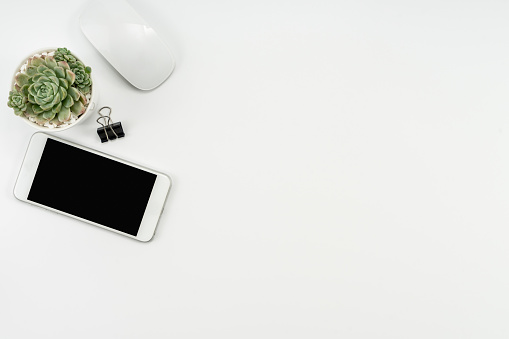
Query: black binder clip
{"points": [[109, 130]]}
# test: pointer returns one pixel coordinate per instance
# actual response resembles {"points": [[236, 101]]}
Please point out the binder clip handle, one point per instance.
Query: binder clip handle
{"points": [[109, 130]]}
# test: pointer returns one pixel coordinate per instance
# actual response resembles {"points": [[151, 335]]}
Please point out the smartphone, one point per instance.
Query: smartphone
{"points": [[92, 186]]}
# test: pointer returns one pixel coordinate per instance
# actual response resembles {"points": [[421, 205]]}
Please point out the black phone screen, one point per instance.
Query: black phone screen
{"points": [[92, 187]]}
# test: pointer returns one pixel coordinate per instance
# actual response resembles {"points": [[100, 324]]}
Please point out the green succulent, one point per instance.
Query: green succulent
{"points": [[17, 101], [83, 80], [63, 54], [51, 88], [48, 87]]}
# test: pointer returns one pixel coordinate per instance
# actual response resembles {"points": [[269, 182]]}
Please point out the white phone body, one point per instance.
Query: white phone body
{"points": [[154, 206]]}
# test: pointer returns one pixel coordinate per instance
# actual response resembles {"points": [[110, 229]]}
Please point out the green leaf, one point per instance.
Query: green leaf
{"points": [[49, 73], [59, 71], [29, 111], [43, 78], [54, 87], [57, 108], [88, 69], [56, 121], [31, 71], [36, 61], [21, 79], [50, 61], [74, 93], [37, 109], [55, 80], [41, 68], [63, 83], [32, 90], [36, 77], [64, 114], [24, 90], [68, 101], [83, 99], [49, 85], [56, 99], [69, 76], [40, 120], [39, 101], [78, 108], [36, 86], [63, 93], [48, 115], [31, 98], [63, 64]]}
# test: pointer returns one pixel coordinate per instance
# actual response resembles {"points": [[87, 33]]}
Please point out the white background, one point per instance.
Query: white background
{"points": [[340, 168]]}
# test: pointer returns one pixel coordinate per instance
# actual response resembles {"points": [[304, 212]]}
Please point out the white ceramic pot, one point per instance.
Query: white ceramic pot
{"points": [[92, 102]]}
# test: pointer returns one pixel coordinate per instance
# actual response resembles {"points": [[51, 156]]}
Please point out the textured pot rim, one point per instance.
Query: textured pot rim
{"points": [[90, 107]]}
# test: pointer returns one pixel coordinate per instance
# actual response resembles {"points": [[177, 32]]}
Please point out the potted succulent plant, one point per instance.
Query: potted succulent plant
{"points": [[52, 89]]}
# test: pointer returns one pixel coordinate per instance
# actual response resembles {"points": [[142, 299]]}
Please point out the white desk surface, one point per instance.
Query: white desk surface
{"points": [[341, 170]]}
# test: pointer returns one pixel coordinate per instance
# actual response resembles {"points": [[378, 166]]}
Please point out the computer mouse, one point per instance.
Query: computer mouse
{"points": [[128, 42]]}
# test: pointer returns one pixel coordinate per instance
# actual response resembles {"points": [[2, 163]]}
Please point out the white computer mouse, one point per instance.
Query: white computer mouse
{"points": [[128, 42]]}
